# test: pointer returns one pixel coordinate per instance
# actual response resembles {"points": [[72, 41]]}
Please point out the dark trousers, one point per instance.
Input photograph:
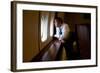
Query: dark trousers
{"points": [[68, 49], [68, 46]]}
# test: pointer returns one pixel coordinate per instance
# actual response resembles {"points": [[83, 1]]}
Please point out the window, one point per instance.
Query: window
{"points": [[44, 25]]}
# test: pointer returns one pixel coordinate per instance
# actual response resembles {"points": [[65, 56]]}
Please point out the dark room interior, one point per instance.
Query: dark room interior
{"points": [[38, 36]]}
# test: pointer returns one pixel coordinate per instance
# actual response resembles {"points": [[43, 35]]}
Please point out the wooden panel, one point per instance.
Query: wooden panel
{"points": [[84, 40], [30, 34]]}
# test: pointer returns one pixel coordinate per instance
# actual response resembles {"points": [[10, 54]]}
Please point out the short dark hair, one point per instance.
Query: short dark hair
{"points": [[59, 19]]}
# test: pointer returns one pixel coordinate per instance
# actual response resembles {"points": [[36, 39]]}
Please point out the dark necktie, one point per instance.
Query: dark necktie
{"points": [[60, 32]]}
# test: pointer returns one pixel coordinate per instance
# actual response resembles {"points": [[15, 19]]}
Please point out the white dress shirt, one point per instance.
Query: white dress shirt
{"points": [[65, 32]]}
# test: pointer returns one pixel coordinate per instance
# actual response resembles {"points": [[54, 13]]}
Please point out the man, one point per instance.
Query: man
{"points": [[63, 35]]}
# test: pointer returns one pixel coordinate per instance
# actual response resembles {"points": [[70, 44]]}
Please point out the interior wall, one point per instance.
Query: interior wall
{"points": [[30, 34], [84, 41], [75, 18]]}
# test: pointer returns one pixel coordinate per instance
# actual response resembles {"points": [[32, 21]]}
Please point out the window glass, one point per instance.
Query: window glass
{"points": [[44, 25]]}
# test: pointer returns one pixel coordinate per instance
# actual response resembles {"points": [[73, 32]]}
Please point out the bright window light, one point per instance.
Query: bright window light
{"points": [[44, 25], [51, 24]]}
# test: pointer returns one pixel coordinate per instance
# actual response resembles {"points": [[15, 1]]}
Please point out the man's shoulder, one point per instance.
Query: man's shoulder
{"points": [[66, 27], [65, 24]]}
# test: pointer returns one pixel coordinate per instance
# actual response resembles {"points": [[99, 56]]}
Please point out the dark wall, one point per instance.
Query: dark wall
{"points": [[76, 18], [30, 35]]}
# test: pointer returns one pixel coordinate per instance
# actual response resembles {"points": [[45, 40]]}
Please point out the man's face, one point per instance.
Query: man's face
{"points": [[57, 23]]}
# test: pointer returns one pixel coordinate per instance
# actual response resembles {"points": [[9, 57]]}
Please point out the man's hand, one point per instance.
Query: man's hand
{"points": [[62, 41]]}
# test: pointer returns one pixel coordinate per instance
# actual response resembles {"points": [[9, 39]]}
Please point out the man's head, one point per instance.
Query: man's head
{"points": [[58, 21]]}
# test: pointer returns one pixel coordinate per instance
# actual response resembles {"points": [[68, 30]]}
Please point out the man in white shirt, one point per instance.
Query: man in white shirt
{"points": [[63, 35]]}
